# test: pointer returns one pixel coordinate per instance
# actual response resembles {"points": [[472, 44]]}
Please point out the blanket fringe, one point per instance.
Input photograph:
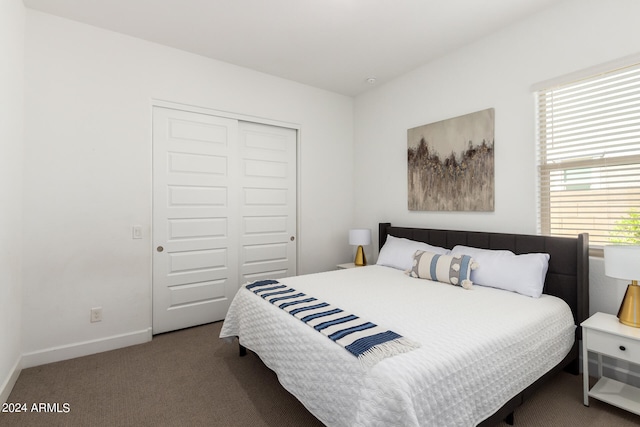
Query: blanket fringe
{"points": [[387, 349]]}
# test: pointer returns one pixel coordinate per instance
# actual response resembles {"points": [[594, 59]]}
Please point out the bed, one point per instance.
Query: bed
{"points": [[464, 372]]}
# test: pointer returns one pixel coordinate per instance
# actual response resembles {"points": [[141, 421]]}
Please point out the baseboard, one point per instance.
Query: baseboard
{"points": [[5, 389], [70, 351]]}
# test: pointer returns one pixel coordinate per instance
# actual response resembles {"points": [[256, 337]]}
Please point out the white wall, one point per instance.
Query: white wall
{"points": [[12, 21], [497, 72], [88, 174]]}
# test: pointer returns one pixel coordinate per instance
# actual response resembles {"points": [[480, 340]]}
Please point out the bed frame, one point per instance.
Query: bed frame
{"points": [[567, 278]]}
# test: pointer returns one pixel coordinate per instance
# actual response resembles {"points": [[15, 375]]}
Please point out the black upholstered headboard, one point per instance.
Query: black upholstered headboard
{"points": [[568, 274]]}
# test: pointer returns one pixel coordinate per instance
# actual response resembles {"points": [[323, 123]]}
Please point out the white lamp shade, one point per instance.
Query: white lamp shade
{"points": [[622, 262], [360, 236]]}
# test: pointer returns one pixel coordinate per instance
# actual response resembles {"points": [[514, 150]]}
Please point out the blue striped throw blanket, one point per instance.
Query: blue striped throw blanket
{"points": [[367, 341]]}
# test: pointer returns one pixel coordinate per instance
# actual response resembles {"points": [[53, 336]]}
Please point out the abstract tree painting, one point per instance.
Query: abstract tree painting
{"points": [[450, 164]]}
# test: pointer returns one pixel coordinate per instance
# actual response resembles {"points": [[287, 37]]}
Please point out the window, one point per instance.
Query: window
{"points": [[589, 157]]}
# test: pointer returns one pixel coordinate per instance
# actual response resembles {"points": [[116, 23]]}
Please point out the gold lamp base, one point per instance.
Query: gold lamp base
{"points": [[362, 261], [629, 313]]}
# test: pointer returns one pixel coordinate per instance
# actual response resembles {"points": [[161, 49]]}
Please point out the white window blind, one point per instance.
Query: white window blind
{"points": [[589, 157]]}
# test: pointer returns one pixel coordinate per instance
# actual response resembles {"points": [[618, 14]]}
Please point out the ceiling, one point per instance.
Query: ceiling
{"points": [[336, 45]]}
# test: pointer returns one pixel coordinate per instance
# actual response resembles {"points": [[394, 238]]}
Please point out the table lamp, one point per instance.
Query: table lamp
{"points": [[360, 236], [623, 262]]}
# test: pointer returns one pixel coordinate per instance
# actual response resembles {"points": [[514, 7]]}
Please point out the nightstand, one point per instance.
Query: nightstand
{"points": [[346, 265], [605, 335]]}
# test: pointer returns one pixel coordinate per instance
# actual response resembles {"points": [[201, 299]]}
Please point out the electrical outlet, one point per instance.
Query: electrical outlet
{"points": [[96, 314]]}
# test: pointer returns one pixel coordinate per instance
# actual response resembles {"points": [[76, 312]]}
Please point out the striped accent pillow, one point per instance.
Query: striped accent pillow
{"points": [[453, 269]]}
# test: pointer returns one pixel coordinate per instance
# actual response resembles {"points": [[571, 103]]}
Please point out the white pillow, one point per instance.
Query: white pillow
{"points": [[398, 252], [502, 269]]}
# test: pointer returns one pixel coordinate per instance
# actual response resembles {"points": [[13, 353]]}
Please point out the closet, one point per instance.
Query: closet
{"points": [[224, 212]]}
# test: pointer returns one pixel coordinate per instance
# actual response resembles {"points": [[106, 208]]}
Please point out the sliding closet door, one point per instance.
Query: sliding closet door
{"points": [[223, 212], [195, 252], [267, 202]]}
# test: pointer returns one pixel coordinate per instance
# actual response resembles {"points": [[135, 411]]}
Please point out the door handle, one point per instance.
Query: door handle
{"points": [[292, 238], [159, 249]]}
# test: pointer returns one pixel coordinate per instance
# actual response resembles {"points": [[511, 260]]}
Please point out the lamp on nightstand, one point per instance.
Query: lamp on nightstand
{"points": [[360, 236], [623, 262]]}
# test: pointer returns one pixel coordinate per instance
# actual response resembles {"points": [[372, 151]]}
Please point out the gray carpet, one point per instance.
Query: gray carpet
{"points": [[191, 378]]}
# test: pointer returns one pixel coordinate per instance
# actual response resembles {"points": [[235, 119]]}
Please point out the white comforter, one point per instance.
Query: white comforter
{"points": [[480, 347]]}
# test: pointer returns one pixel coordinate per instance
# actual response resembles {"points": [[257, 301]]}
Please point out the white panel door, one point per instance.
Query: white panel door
{"points": [[195, 218], [267, 201]]}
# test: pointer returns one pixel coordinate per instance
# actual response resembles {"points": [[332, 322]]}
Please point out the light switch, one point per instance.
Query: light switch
{"points": [[137, 232]]}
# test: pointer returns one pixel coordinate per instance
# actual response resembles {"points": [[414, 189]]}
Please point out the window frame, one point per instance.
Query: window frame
{"points": [[609, 167]]}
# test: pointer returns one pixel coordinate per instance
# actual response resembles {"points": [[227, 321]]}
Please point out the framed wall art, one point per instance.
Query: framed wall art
{"points": [[450, 164]]}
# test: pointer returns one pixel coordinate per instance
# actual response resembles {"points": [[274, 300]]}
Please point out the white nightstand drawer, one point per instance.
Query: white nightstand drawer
{"points": [[613, 345]]}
